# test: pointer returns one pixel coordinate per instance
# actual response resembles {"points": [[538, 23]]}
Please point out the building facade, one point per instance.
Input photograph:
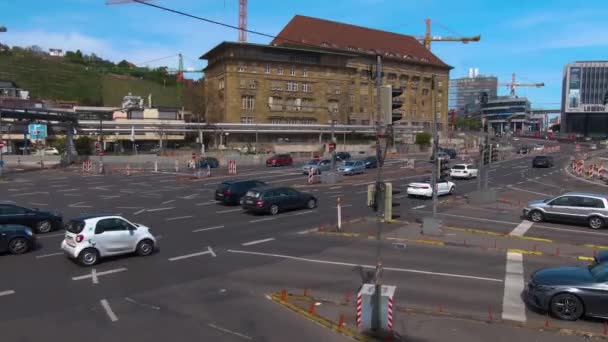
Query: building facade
{"points": [[585, 85], [467, 93], [300, 80], [507, 114]]}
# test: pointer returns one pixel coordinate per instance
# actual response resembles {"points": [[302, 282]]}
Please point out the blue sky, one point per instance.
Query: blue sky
{"points": [[534, 39]]}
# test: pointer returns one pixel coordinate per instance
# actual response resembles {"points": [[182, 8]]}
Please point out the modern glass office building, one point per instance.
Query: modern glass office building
{"points": [[465, 94]]}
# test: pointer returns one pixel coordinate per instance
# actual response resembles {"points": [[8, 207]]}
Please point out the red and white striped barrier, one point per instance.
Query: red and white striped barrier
{"points": [[208, 170], [359, 308], [311, 176], [232, 167], [87, 166], [390, 314]]}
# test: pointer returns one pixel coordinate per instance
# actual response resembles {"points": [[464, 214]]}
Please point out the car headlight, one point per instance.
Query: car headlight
{"points": [[29, 232]]}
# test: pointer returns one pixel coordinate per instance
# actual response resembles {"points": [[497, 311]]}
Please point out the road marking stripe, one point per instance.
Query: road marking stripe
{"points": [[6, 293], [305, 212], [109, 312], [49, 235], [66, 190], [345, 205], [532, 192], [205, 229], [208, 251], [48, 255], [160, 209], [419, 207], [307, 231], [229, 331], [167, 202], [335, 187], [178, 218], [367, 266], [94, 276], [228, 211], [513, 307], [522, 228], [208, 203], [139, 211], [262, 220], [251, 243], [97, 274], [127, 207]]}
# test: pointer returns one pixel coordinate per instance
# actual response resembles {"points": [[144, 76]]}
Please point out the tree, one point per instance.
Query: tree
{"points": [[84, 145], [124, 64], [423, 139], [36, 50], [193, 99]]}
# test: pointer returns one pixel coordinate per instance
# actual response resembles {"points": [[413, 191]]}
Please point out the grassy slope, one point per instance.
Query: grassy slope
{"points": [[56, 79]]}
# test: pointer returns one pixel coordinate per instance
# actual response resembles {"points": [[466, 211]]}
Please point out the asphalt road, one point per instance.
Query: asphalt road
{"points": [[219, 294]]}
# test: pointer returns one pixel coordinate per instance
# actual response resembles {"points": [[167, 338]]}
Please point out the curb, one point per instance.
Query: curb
{"points": [[582, 179], [488, 232], [331, 325]]}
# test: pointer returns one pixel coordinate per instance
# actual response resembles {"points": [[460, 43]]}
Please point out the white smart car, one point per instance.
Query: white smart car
{"points": [[423, 189], [464, 171], [88, 238]]}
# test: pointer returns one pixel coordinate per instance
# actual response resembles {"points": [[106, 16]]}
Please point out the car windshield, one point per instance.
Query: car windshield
{"points": [[254, 194], [349, 163], [599, 272], [459, 167], [312, 162], [75, 227]]}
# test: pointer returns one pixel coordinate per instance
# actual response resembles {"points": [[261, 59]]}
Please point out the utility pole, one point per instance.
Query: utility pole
{"points": [[101, 143], [379, 156], [435, 156]]}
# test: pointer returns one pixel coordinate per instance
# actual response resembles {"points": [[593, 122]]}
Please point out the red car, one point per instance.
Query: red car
{"points": [[279, 160]]}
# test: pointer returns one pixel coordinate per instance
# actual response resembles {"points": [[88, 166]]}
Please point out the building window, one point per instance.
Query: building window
{"points": [[334, 106], [305, 72], [306, 88], [275, 103], [276, 85], [292, 71], [247, 119], [248, 102], [267, 69], [292, 86], [364, 84], [425, 92], [221, 84], [252, 84], [241, 69], [422, 103], [337, 90], [275, 121], [307, 105], [364, 100], [280, 70]]}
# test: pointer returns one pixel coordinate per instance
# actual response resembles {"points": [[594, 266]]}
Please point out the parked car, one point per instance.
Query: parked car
{"points": [[423, 189], [538, 147], [352, 167], [441, 156], [232, 192], [16, 239], [449, 151], [576, 207], [464, 171], [40, 221], [523, 150], [542, 161], [371, 162], [208, 161], [317, 166], [280, 160], [343, 156], [569, 292], [105, 236], [272, 199]]}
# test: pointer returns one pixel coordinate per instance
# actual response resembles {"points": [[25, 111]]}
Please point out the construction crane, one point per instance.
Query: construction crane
{"points": [[242, 21], [513, 84], [428, 38]]}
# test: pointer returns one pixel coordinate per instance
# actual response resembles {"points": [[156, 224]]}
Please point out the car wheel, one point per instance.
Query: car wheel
{"points": [[43, 227], [536, 216], [18, 245], [567, 306], [596, 222], [241, 201], [311, 204], [452, 189], [88, 257], [274, 209], [145, 247]]}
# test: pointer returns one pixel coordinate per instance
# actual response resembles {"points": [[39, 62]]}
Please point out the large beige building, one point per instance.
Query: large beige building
{"points": [[317, 71]]}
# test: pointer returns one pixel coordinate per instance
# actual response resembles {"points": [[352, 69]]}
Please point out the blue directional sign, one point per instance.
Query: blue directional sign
{"points": [[37, 131]]}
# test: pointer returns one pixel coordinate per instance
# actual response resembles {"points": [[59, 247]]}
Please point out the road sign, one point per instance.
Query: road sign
{"points": [[37, 131]]}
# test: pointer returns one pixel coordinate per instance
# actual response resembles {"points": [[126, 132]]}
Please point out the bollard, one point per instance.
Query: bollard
{"points": [[176, 165], [341, 322], [156, 166], [311, 308], [339, 207], [305, 292], [547, 321], [490, 316], [283, 295]]}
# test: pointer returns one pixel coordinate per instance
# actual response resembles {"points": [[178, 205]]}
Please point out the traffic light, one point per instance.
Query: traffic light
{"points": [[493, 153], [389, 204], [485, 154], [389, 102], [372, 197], [444, 169]]}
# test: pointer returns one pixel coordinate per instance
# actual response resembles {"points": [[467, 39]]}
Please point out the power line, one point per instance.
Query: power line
{"points": [[155, 60]]}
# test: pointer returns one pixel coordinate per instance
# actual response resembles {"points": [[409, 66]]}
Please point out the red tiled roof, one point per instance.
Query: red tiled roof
{"points": [[308, 31]]}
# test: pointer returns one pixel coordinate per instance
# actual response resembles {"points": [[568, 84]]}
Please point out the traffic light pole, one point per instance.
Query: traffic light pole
{"points": [[435, 156], [376, 324]]}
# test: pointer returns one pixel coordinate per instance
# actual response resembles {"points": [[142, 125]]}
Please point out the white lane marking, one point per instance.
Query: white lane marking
{"points": [[521, 228], [345, 205], [32, 193], [41, 204], [580, 231], [211, 325], [97, 274], [191, 255], [189, 196], [48, 255], [251, 243], [179, 218], [167, 202], [307, 231], [131, 300], [109, 312], [127, 207], [79, 205], [45, 236], [206, 229], [536, 177], [262, 220], [532, 192], [66, 190], [208, 203], [335, 187], [6, 293], [109, 196], [513, 307], [94, 277], [367, 266], [304, 212], [160, 209], [549, 185], [228, 211], [520, 183], [139, 211], [419, 207]]}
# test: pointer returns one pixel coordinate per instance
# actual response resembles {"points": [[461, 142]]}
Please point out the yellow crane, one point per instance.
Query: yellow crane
{"points": [[428, 37]]}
